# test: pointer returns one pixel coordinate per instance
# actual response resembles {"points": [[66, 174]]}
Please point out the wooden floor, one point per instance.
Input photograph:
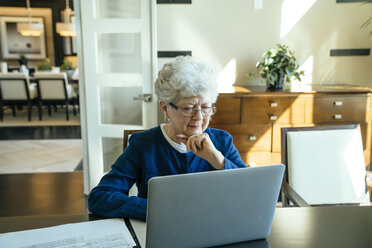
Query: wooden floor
{"points": [[56, 119], [40, 132], [42, 194]]}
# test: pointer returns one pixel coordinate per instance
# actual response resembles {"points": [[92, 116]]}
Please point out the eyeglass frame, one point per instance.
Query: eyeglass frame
{"points": [[195, 111]]}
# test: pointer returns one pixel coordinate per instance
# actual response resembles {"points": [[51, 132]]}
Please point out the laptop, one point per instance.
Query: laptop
{"points": [[211, 208]]}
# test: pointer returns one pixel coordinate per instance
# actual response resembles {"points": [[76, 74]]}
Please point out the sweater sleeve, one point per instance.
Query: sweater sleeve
{"points": [[110, 197], [232, 156]]}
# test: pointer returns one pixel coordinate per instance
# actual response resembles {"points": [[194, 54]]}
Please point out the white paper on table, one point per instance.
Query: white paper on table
{"points": [[100, 233]]}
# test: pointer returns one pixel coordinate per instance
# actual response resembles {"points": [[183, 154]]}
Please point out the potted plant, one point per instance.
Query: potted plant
{"points": [[68, 68], [22, 59], [45, 65], [279, 64]]}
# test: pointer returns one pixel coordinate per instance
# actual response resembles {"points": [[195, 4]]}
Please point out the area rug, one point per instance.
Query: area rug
{"points": [[49, 155], [56, 119]]}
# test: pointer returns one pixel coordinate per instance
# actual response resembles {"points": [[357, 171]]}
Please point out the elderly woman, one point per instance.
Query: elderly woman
{"points": [[187, 90]]}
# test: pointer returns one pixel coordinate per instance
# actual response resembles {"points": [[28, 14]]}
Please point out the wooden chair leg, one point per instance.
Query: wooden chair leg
{"points": [[29, 108], [13, 110], [67, 117], [40, 110], [1, 111], [78, 103], [49, 110], [73, 106]]}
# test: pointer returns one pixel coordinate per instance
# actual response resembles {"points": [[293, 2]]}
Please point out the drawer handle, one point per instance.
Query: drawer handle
{"points": [[252, 138], [273, 117], [337, 103], [273, 104], [337, 116]]}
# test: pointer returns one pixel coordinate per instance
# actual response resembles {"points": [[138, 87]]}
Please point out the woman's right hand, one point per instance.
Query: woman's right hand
{"points": [[202, 146]]}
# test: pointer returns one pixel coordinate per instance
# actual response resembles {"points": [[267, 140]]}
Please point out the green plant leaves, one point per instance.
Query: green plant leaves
{"points": [[279, 60], [67, 65], [45, 65]]}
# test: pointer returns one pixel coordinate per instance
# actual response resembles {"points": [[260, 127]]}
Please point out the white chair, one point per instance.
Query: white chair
{"points": [[16, 89], [54, 88], [325, 164]]}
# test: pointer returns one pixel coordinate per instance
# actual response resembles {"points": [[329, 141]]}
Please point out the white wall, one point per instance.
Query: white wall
{"points": [[221, 31]]}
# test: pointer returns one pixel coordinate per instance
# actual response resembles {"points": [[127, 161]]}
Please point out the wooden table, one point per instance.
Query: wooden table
{"points": [[342, 226], [42, 194]]}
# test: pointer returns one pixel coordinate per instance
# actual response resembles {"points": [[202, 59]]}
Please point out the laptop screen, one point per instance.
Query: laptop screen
{"points": [[212, 208]]}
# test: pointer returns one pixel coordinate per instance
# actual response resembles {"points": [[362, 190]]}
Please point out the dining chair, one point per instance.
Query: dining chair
{"points": [[54, 89], [126, 134], [16, 89], [133, 191], [325, 164]]}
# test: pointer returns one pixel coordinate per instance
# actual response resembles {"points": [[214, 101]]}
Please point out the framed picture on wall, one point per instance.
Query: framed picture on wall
{"points": [[13, 44]]}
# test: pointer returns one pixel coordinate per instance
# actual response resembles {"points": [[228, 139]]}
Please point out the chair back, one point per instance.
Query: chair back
{"points": [[52, 86], [133, 191], [325, 164], [126, 135], [14, 86]]}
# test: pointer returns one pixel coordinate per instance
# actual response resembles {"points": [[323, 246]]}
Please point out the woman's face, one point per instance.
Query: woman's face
{"points": [[180, 127]]}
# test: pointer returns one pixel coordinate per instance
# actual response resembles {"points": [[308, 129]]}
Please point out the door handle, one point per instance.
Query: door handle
{"points": [[143, 97]]}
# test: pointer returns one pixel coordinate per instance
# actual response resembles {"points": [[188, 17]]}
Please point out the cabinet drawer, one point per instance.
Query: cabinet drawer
{"points": [[341, 108], [249, 138], [289, 109], [252, 159], [228, 111]]}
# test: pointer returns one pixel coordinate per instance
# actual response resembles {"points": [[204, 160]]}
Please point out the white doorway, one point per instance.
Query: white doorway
{"points": [[117, 63]]}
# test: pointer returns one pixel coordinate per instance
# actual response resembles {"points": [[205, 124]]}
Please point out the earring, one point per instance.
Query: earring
{"points": [[166, 120]]}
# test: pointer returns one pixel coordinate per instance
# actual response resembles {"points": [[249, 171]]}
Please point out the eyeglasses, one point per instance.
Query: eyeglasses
{"points": [[189, 112]]}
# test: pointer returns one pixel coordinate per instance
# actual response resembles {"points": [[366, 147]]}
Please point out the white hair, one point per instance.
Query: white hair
{"points": [[186, 76]]}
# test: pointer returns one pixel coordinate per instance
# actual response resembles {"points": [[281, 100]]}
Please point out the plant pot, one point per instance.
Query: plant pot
{"points": [[69, 74], [278, 84]]}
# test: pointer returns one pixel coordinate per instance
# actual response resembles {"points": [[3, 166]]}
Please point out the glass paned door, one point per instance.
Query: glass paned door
{"points": [[118, 9], [118, 63], [116, 109], [119, 53]]}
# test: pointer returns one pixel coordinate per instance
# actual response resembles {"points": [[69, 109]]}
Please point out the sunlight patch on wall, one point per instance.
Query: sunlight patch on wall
{"points": [[227, 76], [190, 38], [308, 68], [307, 79], [292, 12]]}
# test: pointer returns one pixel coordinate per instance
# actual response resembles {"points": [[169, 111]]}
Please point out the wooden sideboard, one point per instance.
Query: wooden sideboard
{"points": [[255, 116]]}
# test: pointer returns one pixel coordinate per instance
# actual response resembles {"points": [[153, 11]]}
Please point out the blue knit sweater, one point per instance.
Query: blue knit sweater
{"points": [[149, 155]]}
